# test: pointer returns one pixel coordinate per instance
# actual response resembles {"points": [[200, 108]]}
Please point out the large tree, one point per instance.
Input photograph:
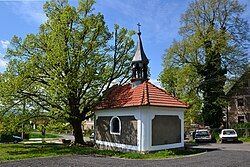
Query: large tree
{"points": [[214, 42], [64, 68]]}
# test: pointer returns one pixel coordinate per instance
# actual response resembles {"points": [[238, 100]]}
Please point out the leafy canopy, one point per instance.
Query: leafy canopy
{"points": [[64, 68], [214, 43]]}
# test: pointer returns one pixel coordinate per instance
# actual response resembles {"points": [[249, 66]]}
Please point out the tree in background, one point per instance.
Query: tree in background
{"points": [[62, 70], [213, 46], [182, 83]]}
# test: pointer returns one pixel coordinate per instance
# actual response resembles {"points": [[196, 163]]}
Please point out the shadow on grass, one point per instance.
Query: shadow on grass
{"points": [[22, 151], [55, 149]]}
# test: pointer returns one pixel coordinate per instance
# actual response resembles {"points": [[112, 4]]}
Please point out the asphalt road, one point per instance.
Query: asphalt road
{"points": [[225, 146], [218, 158]]}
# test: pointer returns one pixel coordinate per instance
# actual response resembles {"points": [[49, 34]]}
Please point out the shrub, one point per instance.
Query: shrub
{"points": [[6, 136], [215, 135], [242, 129], [88, 132]]}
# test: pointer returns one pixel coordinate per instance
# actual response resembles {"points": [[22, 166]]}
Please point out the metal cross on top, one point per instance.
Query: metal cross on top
{"points": [[139, 25]]}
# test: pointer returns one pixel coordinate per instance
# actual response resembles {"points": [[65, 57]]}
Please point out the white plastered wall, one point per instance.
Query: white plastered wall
{"points": [[148, 114], [144, 116]]}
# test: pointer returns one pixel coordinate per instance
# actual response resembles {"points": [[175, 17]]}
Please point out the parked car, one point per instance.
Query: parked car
{"points": [[10, 138], [16, 139], [228, 135], [202, 135]]}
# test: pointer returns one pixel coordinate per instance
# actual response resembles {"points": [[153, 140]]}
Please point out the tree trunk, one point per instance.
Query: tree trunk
{"points": [[76, 118], [77, 131]]}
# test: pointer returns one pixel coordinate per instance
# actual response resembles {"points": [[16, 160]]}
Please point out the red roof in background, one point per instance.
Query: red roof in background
{"points": [[144, 94]]}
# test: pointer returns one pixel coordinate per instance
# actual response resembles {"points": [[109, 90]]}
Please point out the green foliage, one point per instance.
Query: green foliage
{"points": [[24, 151], [215, 135], [183, 83], [61, 71], [6, 136], [47, 135], [214, 42], [245, 125], [12, 123], [242, 129], [88, 132], [245, 139], [58, 127], [1, 127]]}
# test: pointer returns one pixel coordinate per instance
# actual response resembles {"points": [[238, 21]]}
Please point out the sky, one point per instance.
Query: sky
{"points": [[159, 19]]}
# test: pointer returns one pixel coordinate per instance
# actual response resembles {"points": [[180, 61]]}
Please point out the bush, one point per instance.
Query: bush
{"points": [[245, 125], [215, 135], [6, 136], [26, 136], [242, 129], [58, 127], [88, 132]]}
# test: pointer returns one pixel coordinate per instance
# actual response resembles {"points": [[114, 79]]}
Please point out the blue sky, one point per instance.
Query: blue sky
{"points": [[160, 20]]}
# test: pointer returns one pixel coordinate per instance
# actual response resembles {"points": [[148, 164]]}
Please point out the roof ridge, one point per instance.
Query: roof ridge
{"points": [[142, 99], [145, 94], [238, 80], [148, 102]]}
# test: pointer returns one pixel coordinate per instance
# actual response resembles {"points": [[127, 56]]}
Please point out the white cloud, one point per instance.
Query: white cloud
{"points": [[30, 11], [3, 63], [4, 44]]}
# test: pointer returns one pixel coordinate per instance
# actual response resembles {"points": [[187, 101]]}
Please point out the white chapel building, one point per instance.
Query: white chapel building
{"points": [[139, 116]]}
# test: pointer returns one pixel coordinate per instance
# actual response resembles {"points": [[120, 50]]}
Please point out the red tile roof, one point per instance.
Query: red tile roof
{"points": [[144, 94]]}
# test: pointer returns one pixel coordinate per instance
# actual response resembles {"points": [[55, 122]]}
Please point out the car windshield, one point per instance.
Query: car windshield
{"points": [[202, 133], [228, 132]]}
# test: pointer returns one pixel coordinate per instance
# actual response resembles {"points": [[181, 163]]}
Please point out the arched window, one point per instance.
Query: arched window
{"points": [[115, 126]]}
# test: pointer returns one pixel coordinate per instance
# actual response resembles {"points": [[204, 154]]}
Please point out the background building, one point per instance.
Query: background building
{"points": [[239, 100]]}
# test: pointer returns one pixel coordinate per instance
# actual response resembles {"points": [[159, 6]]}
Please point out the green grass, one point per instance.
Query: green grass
{"points": [[244, 139], [24, 151], [47, 135], [159, 154]]}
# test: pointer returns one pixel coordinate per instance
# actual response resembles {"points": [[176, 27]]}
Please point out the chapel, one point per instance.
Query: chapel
{"points": [[139, 116]]}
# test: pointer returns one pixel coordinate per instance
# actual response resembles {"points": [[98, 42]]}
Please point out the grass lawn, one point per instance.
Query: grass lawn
{"points": [[244, 139], [47, 135], [24, 151]]}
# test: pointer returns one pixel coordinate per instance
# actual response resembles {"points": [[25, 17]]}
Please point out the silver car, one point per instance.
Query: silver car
{"points": [[202, 135]]}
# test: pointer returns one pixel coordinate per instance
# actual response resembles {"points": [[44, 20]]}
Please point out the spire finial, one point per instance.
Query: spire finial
{"points": [[139, 29]]}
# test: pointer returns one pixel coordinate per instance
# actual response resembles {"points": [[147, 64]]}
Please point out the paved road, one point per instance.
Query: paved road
{"points": [[218, 158], [226, 146]]}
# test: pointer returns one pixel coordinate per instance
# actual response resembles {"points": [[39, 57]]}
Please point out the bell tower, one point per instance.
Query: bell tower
{"points": [[139, 63]]}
